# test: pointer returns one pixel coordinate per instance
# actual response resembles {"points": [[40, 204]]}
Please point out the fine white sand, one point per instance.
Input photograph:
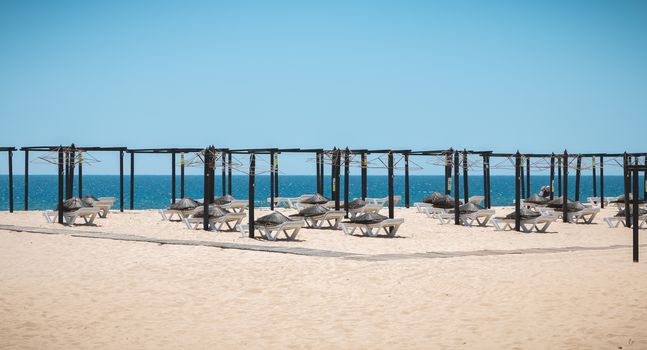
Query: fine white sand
{"points": [[59, 291]]}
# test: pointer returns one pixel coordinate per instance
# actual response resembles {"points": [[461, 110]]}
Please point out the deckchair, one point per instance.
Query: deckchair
{"points": [[289, 202], [237, 205], [216, 224], [476, 199], [432, 212], [390, 227], [88, 215], [615, 221], [167, 214], [104, 204], [479, 218], [584, 216], [290, 229], [332, 217], [420, 205], [383, 201], [539, 224], [368, 208]]}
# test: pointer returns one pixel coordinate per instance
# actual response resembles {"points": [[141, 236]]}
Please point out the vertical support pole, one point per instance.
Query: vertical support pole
{"points": [[627, 182], [565, 193], [223, 173], [59, 207], [271, 180], [80, 174], [390, 172], [346, 179], [252, 188], [457, 186], [364, 176], [66, 180], [527, 177], [318, 173], [517, 191], [552, 176], [121, 181], [522, 177], [10, 157], [207, 187], [276, 174], [229, 174], [578, 174], [406, 180], [132, 180], [26, 180], [466, 192], [635, 213], [181, 175], [322, 169], [337, 178], [333, 177], [173, 193], [595, 180], [448, 172], [71, 159], [485, 189], [559, 176], [645, 180], [602, 182], [489, 185]]}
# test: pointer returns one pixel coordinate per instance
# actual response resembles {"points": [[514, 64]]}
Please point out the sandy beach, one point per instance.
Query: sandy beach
{"points": [[61, 291]]}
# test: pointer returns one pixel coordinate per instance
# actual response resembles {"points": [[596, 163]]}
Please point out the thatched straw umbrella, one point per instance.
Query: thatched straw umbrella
{"points": [[368, 218], [273, 219], [184, 204], [314, 210], [315, 199], [356, 204]]}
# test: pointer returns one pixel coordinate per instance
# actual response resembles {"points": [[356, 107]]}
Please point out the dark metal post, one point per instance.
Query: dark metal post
{"points": [[595, 180], [578, 174], [229, 174], [207, 187], [627, 179], [602, 182], [565, 193], [645, 180], [332, 173], [527, 177], [456, 189], [485, 189], [391, 201], [635, 212], [346, 178], [318, 173], [10, 157], [26, 180], [552, 176], [337, 177], [173, 193], [121, 181], [364, 175], [80, 174], [517, 191], [466, 192], [489, 185], [276, 174], [59, 207], [406, 180], [252, 185], [71, 159], [132, 180], [448, 173], [559, 176], [522, 177], [223, 173], [181, 175], [271, 180], [322, 169]]}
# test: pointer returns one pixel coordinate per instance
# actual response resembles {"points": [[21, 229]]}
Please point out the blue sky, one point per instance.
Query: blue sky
{"points": [[538, 76]]}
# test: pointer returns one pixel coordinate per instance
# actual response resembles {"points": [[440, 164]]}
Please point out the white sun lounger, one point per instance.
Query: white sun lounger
{"points": [[216, 224], [368, 208], [539, 224], [476, 199], [289, 202], [333, 218], [615, 221], [584, 216], [383, 201], [479, 218], [290, 229], [420, 205], [104, 204], [390, 227], [167, 214], [432, 212], [69, 217], [237, 205]]}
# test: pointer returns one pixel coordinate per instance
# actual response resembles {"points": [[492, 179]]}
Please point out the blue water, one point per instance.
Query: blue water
{"points": [[154, 191]]}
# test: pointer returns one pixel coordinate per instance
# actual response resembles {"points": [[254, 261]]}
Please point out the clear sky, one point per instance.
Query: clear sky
{"points": [[537, 76]]}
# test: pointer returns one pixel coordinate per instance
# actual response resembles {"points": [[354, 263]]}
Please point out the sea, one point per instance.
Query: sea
{"points": [[154, 191]]}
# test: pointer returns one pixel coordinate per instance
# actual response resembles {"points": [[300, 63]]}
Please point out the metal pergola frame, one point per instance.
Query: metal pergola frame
{"points": [[10, 151]]}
